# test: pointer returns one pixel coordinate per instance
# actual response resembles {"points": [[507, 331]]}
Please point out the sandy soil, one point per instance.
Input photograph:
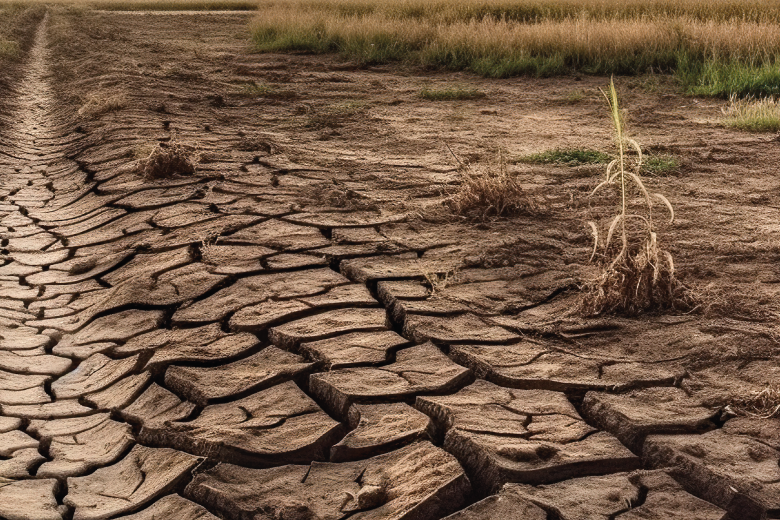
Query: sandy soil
{"points": [[276, 306]]}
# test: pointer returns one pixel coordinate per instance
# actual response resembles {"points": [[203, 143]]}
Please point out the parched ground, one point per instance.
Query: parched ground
{"points": [[301, 330]]}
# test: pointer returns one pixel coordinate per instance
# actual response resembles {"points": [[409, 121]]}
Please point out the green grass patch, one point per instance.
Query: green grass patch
{"points": [[658, 165], [573, 157], [725, 78], [753, 115], [453, 93]]}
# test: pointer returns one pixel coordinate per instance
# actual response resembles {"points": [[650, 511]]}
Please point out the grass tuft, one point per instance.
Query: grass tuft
{"points": [[575, 96], [454, 93], [336, 115], [569, 157], [9, 49], [256, 89], [489, 191], [753, 115], [659, 165], [99, 103], [167, 160]]}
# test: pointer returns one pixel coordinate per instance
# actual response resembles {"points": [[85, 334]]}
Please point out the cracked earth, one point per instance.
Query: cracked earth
{"points": [[260, 341]]}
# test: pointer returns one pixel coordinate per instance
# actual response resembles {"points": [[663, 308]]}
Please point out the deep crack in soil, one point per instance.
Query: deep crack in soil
{"points": [[299, 330]]}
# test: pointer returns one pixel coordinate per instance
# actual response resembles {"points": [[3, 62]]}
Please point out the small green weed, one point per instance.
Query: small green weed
{"points": [[574, 157], [454, 93], [658, 165], [575, 96]]}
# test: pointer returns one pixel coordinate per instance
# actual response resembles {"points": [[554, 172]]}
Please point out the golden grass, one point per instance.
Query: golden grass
{"points": [[502, 38], [448, 11], [754, 115], [577, 39], [148, 5]]}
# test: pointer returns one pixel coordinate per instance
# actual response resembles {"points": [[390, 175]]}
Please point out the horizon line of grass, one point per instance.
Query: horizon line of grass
{"points": [[707, 59], [145, 5], [532, 11]]}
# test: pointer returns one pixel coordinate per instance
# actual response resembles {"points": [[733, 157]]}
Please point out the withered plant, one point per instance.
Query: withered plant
{"points": [[489, 191], [167, 160], [636, 274], [764, 404]]}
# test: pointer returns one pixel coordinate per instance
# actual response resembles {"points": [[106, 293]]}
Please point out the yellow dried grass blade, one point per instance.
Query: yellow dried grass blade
{"points": [[611, 231], [639, 217], [597, 188], [595, 230], [667, 204], [671, 262], [641, 186], [610, 166], [636, 147]]}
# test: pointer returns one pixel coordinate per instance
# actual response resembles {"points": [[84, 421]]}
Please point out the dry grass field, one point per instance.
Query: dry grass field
{"points": [[715, 48]]}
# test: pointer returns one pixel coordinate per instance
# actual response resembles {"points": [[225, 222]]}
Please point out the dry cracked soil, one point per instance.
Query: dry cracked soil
{"points": [[260, 339]]}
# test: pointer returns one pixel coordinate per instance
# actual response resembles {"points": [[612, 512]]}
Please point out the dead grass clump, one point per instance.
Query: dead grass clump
{"points": [[764, 404], [489, 191], [100, 103], [636, 275], [166, 161]]}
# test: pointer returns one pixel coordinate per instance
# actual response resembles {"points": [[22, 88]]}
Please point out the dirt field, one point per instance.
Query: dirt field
{"points": [[300, 329]]}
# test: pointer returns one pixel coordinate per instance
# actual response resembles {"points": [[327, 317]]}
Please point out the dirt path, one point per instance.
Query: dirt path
{"points": [[299, 330]]}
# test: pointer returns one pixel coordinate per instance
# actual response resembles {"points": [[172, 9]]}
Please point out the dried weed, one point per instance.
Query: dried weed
{"points": [[103, 102], [167, 160], [637, 276], [489, 191], [764, 404]]}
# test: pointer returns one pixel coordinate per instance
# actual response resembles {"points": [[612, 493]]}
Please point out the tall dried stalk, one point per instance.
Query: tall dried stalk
{"points": [[640, 276]]}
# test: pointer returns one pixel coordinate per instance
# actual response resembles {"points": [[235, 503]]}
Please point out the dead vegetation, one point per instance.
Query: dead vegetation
{"points": [[167, 160], [764, 404], [636, 274], [102, 102], [489, 191]]}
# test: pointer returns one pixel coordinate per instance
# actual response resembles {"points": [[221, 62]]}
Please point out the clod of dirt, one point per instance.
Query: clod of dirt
{"points": [[167, 160]]}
